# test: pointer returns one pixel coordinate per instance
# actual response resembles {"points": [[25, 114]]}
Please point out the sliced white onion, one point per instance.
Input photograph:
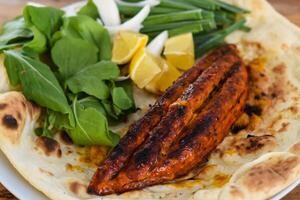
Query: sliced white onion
{"points": [[157, 44], [72, 9], [134, 24], [141, 3], [123, 78], [31, 3], [108, 11]]}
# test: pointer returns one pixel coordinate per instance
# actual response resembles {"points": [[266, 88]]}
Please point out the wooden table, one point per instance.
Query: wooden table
{"points": [[9, 9]]}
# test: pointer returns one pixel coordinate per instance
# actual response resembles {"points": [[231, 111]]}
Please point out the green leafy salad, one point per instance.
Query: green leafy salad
{"points": [[62, 61], [63, 64]]}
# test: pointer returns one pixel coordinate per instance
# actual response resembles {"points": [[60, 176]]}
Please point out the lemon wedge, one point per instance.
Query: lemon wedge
{"points": [[179, 51], [126, 44], [143, 68], [168, 76], [165, 79]]}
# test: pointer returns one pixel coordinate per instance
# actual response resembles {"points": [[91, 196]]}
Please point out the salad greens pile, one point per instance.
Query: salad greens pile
{"points": [[209, 20], [63, 64]]}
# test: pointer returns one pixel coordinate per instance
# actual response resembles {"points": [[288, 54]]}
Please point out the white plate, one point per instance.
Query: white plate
{"points": [[15, 183], [284, 192], [18, 186]]}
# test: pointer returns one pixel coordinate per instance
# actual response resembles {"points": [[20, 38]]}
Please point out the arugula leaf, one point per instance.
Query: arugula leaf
{"points": [[92, 102], [91, 127], [73, 54], [121, 99], [88, 29], [55, 37], [90, 79], [46, 129], [10, 46], [117, 110], [109, 109], [46, 19], [103, 70], [128, 87], [41, 131], [94, 87], [38, 82], [90, 10], [39, 42], [15, 32], [12, 69], [109, 70], [59, 120], [52, 122]]}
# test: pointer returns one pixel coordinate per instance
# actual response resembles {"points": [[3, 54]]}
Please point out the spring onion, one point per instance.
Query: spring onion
{"points": [[230, 8], [173, 17], [189, 28], [222, 18], [205, 43], [176, 5], [205, 4], [205, 24], [130, 11], [209, 20]]}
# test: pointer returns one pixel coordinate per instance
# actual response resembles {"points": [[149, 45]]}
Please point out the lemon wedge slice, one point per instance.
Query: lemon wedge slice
{"points": [[179, 51], [143, 68], [126, 44], [165, 79], [168, 76]]}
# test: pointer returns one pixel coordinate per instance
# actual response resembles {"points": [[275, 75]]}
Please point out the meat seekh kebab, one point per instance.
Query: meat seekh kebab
{"points": [[216, 89]]}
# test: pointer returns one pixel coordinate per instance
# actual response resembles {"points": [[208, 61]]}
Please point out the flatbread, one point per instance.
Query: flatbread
{"points": [[257, 160]]}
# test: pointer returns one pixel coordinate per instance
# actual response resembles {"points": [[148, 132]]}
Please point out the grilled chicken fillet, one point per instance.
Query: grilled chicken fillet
{"points": [[139, 131], [181, 129]]}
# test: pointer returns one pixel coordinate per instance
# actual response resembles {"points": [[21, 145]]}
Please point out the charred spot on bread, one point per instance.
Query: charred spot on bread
{"points": [[77, 187], [254, 143], [48, 146], [253, 110], [284, 127], [19, 116], [279, 69], [294, 109], [3, 106], [295, 149], [237, 128], [270, 173], [241, 124], [10, 122], [65, 138]]}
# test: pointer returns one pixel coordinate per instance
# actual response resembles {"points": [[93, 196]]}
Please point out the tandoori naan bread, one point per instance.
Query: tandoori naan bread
{"points": [[257, 160]]}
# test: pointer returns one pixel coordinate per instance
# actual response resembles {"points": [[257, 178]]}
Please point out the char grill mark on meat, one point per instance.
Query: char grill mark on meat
{"points": [[179, 115], [138, 132], [183, 160], [198, 90]]}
